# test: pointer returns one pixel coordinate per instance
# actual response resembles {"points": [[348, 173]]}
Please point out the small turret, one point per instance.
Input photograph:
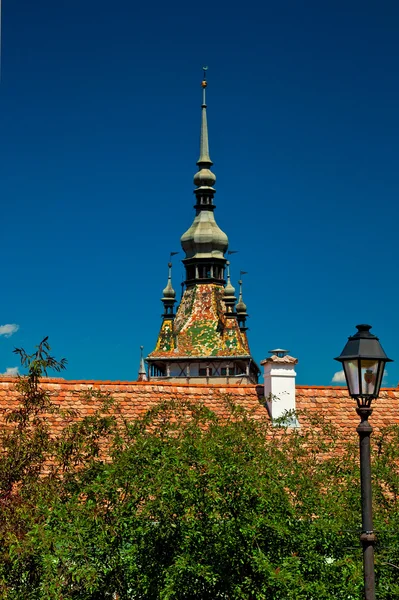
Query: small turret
{"points": [[169, 296], [142, 376], [229, 296], [241, 309]]}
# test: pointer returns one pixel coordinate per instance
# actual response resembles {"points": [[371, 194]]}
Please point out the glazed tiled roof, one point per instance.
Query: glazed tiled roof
{"points": [[201, 327], [135, 398]]}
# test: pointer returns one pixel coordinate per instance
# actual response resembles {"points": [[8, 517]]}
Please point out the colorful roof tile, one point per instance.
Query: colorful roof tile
{"points": [[201, 327]]}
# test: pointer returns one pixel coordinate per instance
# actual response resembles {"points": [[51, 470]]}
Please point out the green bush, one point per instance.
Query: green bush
{"points": [[188, 506]]}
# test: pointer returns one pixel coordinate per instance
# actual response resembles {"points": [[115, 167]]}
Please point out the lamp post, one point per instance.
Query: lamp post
{"points": [[364, 360]]}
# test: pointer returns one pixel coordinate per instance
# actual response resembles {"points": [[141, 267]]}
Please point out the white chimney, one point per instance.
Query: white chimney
{"points": [[279, 375]]}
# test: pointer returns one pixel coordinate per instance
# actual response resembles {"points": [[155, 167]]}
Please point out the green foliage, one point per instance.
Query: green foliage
{"points": [[35, 466], [187, 506]]}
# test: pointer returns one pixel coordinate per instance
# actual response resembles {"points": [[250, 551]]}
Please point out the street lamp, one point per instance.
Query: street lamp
{"points": [[364, 360]]}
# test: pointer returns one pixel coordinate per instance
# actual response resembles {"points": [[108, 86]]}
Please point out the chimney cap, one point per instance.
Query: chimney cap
{"points": [[279, 359], [280, 352]]}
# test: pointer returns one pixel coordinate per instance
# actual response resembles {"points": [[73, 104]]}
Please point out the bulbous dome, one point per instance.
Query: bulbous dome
{"points": [[204, 178], [169, 292], [204, 239], [229, 290], [241, 307]]}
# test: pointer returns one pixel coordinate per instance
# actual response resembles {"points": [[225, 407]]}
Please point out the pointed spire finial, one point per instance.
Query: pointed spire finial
{"points": [[142, 371], [241, 306], [229, 293], [229, 287], [169, 294], [204, 160], [204, 84]]}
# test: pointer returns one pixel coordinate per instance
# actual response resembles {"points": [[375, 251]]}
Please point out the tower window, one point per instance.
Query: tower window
{"points": [[226, 371], [205, 372], [156, 371]]}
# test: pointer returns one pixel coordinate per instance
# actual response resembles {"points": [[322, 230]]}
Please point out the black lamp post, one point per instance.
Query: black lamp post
{"points": [[364, 362]]}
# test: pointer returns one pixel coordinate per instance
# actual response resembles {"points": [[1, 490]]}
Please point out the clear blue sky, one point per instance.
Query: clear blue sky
{"points": [[99, 134]]}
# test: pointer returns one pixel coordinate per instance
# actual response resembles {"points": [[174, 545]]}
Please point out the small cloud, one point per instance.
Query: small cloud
{"points": [[10, 372], [339, 377], [385, 375], [8, 330]]}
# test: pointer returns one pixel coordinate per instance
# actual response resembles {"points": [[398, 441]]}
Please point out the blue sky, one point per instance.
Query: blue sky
{"points": [[99, 133]]}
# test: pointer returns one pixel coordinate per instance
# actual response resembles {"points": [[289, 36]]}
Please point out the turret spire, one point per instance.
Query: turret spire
{"points": [[142, 371], [241, 309], [169, 294], [229, 293]]}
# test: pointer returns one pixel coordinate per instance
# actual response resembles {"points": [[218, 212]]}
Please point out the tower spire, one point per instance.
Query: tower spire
{"points": [[204, 160], [204, 179], [204, 243], [206, 338]]}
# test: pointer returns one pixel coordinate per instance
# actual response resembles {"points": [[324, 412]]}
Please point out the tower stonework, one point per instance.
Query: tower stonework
{"points": [[205, 341]]}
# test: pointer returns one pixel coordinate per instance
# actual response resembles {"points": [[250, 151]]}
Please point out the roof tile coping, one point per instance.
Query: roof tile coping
{"points": [[180, 384], [151, 383]]}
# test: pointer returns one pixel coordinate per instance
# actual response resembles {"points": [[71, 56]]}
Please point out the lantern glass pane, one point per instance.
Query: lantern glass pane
{"points": [[379, 377], [352, 376], [369, 369]]}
